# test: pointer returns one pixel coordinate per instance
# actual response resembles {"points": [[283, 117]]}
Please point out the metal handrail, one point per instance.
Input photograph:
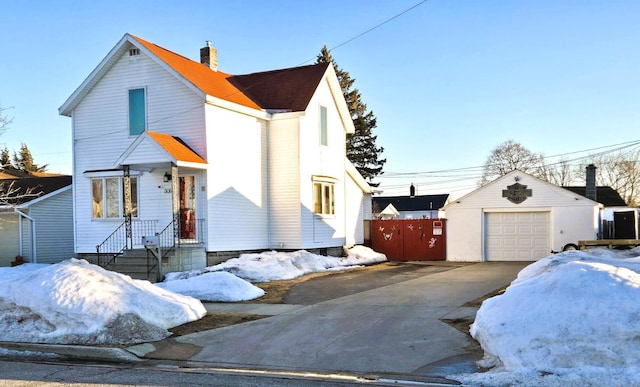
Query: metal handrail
{"points": [[166, 243], [118, 241], [114, 244]]}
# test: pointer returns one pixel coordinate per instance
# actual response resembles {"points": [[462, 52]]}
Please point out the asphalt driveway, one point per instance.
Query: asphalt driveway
{"points": [[387, 322]]}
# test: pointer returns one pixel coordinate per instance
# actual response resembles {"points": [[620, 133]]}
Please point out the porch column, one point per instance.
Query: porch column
{"points": [[126, 208], [175, 196]]}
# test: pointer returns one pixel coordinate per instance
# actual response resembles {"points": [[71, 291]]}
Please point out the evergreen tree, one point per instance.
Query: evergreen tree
{"points": [[5, 158], [361, 145], [24, 161]]}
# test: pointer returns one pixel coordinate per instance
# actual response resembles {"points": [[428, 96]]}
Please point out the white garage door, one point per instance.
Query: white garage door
{"points": [[517, 236]]}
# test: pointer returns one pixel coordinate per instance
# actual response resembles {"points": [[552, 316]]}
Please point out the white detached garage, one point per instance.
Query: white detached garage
{"points": [[518, 218]]}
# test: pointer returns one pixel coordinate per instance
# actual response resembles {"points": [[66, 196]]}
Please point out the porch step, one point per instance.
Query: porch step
{"points": [[134, 264]]}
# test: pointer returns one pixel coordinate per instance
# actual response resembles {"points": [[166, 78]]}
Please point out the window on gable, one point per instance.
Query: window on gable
{"points": [[323, 126], [137, 112], [108, 197], [323, 198]]}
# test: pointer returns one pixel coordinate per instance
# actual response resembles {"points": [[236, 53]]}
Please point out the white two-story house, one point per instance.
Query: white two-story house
{"points": [[205, 165]]}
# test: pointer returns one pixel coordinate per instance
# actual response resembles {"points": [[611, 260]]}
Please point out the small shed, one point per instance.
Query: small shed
{"points": [[518, 217]]}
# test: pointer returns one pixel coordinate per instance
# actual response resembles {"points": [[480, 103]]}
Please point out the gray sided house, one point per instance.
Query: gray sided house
{"points": [[36, 222]]}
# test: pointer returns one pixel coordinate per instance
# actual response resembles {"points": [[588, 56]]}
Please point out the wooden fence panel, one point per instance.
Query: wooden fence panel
{"points": [[410, 239]]}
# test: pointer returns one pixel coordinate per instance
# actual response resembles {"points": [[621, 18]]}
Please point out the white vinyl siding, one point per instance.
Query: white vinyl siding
{"points": [[284, 184], [101, 135], [517, 236], [320, 160], [237, 181], [356, 204]]}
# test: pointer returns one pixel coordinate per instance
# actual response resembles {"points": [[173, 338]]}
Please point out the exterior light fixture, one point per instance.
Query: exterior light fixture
{"points": [[167, 177]]}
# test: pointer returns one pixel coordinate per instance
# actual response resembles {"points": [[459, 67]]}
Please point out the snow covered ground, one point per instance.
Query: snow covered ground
{"points": [[571, 319], [75, 302]]}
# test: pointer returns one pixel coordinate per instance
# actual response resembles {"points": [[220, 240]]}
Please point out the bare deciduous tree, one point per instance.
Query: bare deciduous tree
{"points": [[11, 193], [621, 171], [4, 120], [508, 156], [560, 174]]}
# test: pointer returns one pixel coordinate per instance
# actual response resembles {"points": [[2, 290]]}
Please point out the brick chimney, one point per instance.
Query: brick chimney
{"points": [[209, 56], [590, 188]]}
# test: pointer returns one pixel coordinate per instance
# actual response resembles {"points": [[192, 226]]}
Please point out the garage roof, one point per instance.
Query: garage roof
{"points": [[608, 196]]}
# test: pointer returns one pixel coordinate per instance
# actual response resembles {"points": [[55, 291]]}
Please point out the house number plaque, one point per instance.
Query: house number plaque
{"points": [[516, 193]]}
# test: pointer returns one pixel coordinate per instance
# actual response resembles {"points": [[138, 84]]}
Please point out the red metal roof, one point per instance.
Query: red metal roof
{"points": [[288, 89], [213, 83], [176, 148]]}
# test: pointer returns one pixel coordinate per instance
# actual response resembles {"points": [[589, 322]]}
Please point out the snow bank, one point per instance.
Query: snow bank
{"points": [[214, 286], [273, 265], [75, 302], [569, 318]]}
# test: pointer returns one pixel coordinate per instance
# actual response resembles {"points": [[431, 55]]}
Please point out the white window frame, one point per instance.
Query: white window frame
{"points": [[135, 196], [323, 125], [324, 197], [146, 110]]}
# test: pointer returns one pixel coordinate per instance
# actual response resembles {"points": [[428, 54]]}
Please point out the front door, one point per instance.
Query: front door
{"points": [[188, 207]]}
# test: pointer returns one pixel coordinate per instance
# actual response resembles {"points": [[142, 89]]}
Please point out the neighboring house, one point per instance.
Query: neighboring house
{"points": [[37, 223], [518, 217], [409, 207], [214, 163]]}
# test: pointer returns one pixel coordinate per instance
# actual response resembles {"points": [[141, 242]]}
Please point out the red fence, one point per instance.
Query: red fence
{"points": [[410, 240]]}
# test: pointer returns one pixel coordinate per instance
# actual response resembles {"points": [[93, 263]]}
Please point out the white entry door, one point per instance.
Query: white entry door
{"points": [[517, 236]]}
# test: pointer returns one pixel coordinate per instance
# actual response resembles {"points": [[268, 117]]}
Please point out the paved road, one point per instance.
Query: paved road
{"points": [[29, 374]]}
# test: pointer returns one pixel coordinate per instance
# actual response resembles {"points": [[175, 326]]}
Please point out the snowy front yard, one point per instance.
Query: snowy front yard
{"points": [[75, 302], [568, 319]]}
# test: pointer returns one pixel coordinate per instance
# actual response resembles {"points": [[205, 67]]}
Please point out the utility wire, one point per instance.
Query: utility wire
{"points": [[378, 25]]}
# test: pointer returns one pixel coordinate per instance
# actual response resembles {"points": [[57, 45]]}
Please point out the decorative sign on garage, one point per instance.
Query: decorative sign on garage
{"points": [[516, 193]]}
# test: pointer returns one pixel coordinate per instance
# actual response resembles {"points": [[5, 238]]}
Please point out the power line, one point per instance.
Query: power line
{"points": [[377, 25], [618, 146], [457, 179]]}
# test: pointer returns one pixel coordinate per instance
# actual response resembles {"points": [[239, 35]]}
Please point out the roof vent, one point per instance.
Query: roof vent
{"points": [[134, 51]]}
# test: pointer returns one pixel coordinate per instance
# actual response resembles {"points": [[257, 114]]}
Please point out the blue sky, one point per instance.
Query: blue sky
{"points": [[447, 81]]}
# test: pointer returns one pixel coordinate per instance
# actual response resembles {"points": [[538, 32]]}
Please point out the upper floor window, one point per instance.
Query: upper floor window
{"points": [[323, 126], [137, 112], [323, 198], [108, 197]]}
